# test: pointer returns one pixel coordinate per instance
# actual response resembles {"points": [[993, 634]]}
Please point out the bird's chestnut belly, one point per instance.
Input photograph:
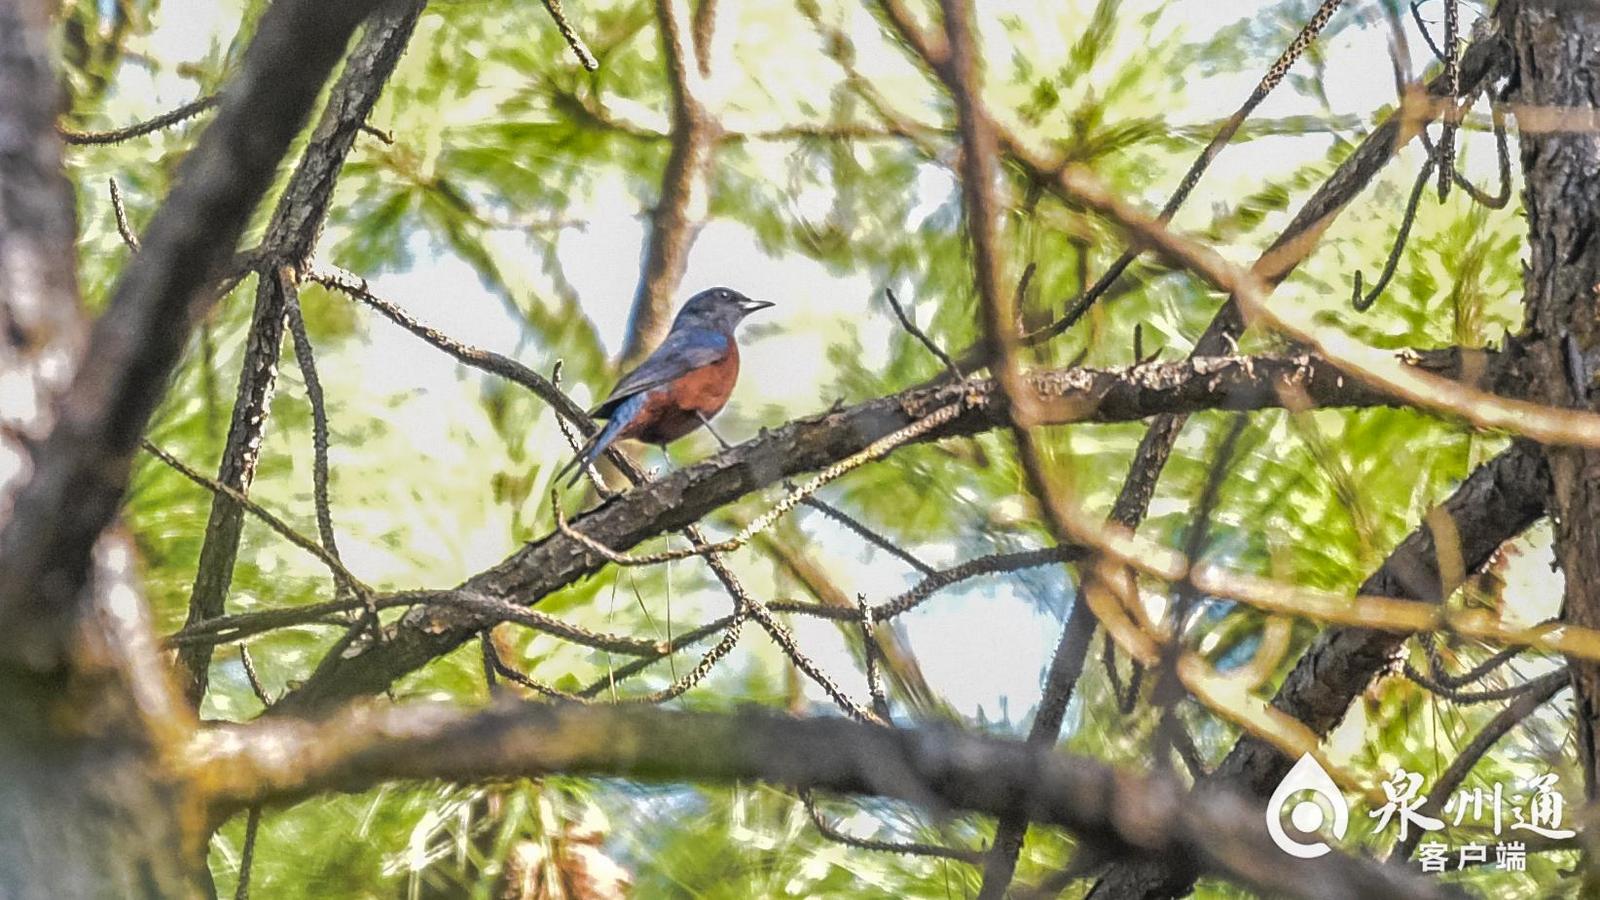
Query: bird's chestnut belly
{"points": [[675, 409]]}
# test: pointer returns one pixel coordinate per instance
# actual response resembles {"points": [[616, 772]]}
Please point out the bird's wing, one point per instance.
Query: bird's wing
{"points": [[681, 353]]}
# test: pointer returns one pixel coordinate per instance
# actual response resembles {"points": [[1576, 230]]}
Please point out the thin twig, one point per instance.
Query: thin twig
{"points": [[1416, 13], [1502, 149], [832, 833], [357, 288], [1436, 669], [496, 665], [662, 650], [864, 532], [490, 657], [1537, 692], [786, 642], [1363, 302], [571, 36], [869, 656], [1462, 697], [253, 677], [305, 357], [730, 639], [254, 508], [165, 120], [121, 214], [996, 563], [247, 856], [1273, 77], [1452, 75], [920, 335]]}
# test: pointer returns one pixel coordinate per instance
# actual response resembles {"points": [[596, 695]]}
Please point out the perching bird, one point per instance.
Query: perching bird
{"points": [[681, 385]]}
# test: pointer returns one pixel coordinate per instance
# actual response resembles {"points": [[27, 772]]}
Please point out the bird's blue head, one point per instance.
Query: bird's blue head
{"points": [[718, 308]]}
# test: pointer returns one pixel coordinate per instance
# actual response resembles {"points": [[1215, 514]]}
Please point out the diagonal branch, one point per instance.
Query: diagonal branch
{"points": [[686, 495], [149, 126]]}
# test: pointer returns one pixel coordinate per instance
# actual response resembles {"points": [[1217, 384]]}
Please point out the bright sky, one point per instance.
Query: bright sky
{"points": [[983, 647]]}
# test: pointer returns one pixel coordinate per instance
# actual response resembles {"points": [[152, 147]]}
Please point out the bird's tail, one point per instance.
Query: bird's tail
{"points": [[591, 450], [596, 445]]}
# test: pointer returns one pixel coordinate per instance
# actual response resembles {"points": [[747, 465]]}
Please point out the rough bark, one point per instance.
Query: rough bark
{"points": [[1558, 67], [686, 495]]}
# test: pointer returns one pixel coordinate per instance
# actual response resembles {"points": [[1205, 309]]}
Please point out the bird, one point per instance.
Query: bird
{"points": [[681, 385]]}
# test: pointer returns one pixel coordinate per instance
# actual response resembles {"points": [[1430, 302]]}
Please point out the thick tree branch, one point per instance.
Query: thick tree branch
{"points": [[284, 760], [686, 495], [82, 467]]}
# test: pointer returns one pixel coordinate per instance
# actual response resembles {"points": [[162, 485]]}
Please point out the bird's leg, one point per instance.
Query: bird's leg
{"points": [[707, 423]]}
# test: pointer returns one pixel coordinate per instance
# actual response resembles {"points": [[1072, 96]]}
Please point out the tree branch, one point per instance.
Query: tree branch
{"points": [[1495, 504], [82, 467], [283, 760], [686, 495], [1538, 692], [685, 184], [291, 236], [149, 126]]}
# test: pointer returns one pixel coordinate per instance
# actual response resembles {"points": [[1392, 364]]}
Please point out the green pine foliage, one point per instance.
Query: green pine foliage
{"points": [[504, 150]]}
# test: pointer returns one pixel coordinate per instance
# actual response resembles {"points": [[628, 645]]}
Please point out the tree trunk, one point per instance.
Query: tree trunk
{"points": [[1557, 78], [85, 810], [90, 805]]}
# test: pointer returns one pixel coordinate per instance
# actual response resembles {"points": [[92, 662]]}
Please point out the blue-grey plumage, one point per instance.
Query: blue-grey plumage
{"points": [[679, 386]]}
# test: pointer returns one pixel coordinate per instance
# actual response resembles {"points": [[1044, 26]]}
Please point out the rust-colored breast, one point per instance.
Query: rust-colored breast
{"points": [[706, 389], [674, 409]]}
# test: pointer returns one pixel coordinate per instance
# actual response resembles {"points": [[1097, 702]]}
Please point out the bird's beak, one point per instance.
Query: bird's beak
{"points": [[750, 306]]}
